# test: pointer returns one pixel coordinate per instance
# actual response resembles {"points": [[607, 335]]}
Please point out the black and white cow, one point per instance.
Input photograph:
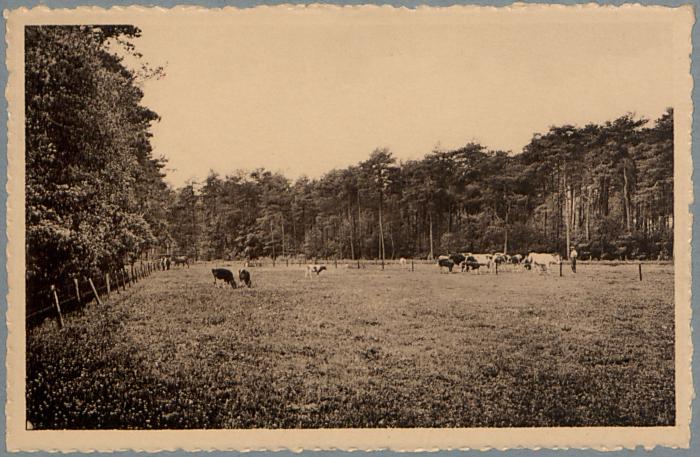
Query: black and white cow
{"points": [[445, 263], [225, 275], [244, 277], [311, 269], [470, 264]]}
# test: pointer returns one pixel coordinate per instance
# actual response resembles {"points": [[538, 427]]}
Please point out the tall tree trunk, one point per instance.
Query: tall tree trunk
{"points": [[284, 247], [505, 241], [381, 229], [567, 215], [391, 239], [352, 233], [588, 213], [272, 239], [626, 197], [430, 222], [359, 227]]}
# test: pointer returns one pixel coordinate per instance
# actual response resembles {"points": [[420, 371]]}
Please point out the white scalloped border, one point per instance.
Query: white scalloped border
{"points": [[402, 440]]}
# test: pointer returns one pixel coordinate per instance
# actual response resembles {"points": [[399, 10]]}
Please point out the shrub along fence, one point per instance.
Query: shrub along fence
{"points": [[75, 292]]}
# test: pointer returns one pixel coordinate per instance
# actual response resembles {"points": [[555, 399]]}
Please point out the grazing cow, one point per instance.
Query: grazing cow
{"points": [[458, 259], [501, 258], [543, 261], [470, 264], [181, 260], [516, 259], [483, 259], [310, 269], [444, 262], [225, 275], [244, 277], [402, 262]]}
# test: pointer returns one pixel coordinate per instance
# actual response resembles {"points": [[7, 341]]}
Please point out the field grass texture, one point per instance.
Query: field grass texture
{"points": [[363, 348]]}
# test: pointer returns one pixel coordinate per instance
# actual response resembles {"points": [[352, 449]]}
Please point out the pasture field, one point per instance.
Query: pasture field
{"points": [[363, 348]]}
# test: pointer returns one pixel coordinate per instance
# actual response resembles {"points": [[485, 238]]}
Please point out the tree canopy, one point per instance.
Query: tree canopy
{"points": [[605, 189], [94, 191]]}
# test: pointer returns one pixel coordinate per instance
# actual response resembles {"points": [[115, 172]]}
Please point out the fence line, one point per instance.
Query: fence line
{"points": [[77, 292]]}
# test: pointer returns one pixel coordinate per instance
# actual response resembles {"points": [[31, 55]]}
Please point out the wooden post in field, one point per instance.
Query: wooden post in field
{"points": [[561, 269], [358, 262], [640, 271], [57, 304], [77, 291], [287, 261], [496, 263], [109, 290], [336, 263], [97, 296], [412, 265]]}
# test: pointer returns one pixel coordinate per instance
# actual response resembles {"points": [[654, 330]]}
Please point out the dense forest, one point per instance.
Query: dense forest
{"points": [[605, 189], [96, 196]]}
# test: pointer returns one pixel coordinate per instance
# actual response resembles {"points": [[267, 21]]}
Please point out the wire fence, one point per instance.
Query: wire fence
{"points": [[76, 292]]}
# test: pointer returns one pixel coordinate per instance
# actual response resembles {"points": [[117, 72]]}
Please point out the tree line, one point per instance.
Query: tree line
{"points": [[96, 197], [605, 189]]}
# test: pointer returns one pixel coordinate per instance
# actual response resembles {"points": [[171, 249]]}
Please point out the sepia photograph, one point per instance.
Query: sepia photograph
{"points": [[367, 219]]}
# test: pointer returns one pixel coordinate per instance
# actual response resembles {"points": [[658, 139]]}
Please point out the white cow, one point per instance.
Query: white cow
{"points": [[402, 262], [543, 261], [483, 259]]}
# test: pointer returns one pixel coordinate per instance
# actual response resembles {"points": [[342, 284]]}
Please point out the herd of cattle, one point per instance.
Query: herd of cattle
{"points": [[473, 262], [465, 262]]}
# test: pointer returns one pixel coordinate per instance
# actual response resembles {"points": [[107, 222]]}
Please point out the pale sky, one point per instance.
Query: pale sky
{"points": [[304, 92]]}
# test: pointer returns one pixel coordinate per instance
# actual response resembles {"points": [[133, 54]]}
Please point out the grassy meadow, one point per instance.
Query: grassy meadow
{"points": [[363, 348]]}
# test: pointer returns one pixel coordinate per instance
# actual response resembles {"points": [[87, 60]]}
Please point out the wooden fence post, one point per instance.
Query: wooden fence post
{"points": [[108, 285], [58, 306], [496, 263], [97, 296], [561, 269], [412, 265], [336, 263], [77, 291], [640, 271]]}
